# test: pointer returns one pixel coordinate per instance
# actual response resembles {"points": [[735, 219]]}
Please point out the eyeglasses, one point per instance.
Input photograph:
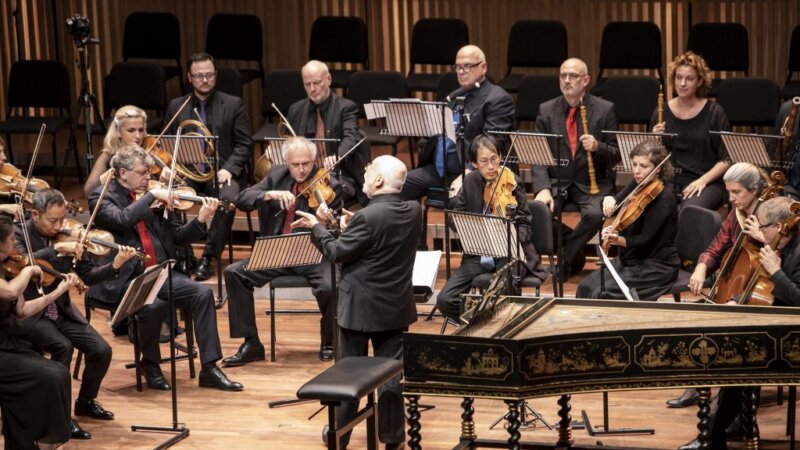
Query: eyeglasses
{"points": [[459, 68], [761, 227], [142, 173], [569, 76], [493, 161], [203, 76]]}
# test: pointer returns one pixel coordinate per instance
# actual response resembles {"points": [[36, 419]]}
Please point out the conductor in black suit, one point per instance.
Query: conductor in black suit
{"points": [[325, 115], [224, 116], [561, 116], [487, 107], [126, 212], [376, 301]]}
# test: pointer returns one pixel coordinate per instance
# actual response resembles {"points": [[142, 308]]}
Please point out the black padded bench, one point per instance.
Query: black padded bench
{"points": [[349, 380]]}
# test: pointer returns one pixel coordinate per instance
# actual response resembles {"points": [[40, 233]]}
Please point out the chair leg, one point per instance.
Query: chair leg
{"points": [[444, 325], [230, 251], [78, 160], [137, 359], [188, 326], [676, 297], [272, 333], [250, 233]]}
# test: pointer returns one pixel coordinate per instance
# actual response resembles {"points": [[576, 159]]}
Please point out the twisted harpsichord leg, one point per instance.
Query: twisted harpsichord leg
{"points": [[467, 423], [412, 409], [565, 424], [703, 413], [513, 424], [749, 418]]}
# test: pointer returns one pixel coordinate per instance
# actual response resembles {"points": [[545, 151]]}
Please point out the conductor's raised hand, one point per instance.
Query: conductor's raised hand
{"points": [[306, 220], [345, 218]]}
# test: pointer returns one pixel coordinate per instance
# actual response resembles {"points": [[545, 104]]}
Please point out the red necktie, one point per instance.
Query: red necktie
{"points": [[289, 218], [572, 131], [144, 236], [320, 134]]}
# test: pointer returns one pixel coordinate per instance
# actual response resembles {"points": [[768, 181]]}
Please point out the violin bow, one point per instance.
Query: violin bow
{"points": [[164, 130], [84, 235], [33, 160], [641, 184], [172, 172], [21, 203], [500, 172]]}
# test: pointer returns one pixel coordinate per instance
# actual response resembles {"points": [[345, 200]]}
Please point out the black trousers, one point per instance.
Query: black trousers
{"points": [[220, 230], [419, 180], [188, 294], [448, 301], [711, 198], [59, 337], [391, 415], [591, 210], [240, 283]]}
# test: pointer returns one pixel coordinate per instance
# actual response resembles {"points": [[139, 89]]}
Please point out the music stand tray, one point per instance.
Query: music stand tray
{"points": [[627, 140]]}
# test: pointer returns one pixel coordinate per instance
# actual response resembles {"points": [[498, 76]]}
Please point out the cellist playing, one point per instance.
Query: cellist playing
{"points": [[648, 260]]}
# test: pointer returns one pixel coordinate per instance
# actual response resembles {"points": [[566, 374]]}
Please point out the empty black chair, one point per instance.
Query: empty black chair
{"points": [[237, 37], [366, 86], [434, 41], [447, 83], [153, 35], [229, 81], [534, 43], [749, 101], [40, 84], [136, 83], [724, 47], [629, 45], [634, 97], [340, 39], [282, 87], [533, 91], [697, 227], [791, 88]]}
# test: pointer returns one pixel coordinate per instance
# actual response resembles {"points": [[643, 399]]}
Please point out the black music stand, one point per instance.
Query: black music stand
{"points": [[536, 149], [141, 291], [275, 155], [627, 140], [751, 148]]}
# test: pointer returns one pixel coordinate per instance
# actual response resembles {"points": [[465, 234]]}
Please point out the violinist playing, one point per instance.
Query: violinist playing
{"points": [[478, 186], [648, 260], [61, 326], [276, 199], [7, 204]]}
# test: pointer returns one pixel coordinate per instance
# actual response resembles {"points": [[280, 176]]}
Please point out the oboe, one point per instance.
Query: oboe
{"points": [[593, 189]]}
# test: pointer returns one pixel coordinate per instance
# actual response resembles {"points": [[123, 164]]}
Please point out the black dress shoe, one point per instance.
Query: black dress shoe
{"points": [[92, 409], [248, 352], [77, 432], [155, 378], [694, 445], [220, 302], [688, 398], [214, 377], [203, 271], [395, 446], [326, 353]]}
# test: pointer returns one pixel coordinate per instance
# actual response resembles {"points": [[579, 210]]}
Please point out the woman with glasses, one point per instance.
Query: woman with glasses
{"points": [[699, 158], [127, 128]]}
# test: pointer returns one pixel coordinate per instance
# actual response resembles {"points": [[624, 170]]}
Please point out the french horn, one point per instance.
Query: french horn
{"points": [[263, 164], [191, 127]]}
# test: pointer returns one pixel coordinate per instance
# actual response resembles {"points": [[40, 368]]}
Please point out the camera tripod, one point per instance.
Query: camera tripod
{"points": [[83, 103]]}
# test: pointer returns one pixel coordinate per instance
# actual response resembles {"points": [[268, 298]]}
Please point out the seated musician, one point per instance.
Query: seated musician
{"points": [[276, 197], [648, 260], [8, 204], [744, 183], [61, 326], [325, 115], [485, 155], [787, 124], [487, 107], [575, 179], [126, 213], [35, 392]]}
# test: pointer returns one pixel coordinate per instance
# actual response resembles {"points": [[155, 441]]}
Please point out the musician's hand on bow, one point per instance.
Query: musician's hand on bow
{"points": [[545, 197], [769, 260], [609, 203], [344, 220], [694, 189], [610, 235], [224, 177], [753, 229], [330, 161], [208, 210], [306, 220], [697, 279], [124, 254], [32, 272], [69, 248], [589, 143], [165, 173], [660, 127], [285, 198], [12, 209], [323, 214]]}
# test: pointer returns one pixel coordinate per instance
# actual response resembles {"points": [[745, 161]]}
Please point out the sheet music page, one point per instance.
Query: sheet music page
{"points": [[426, 268]]}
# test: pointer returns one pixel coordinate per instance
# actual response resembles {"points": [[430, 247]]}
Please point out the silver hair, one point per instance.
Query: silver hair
{"points": [[746, 174], [46, 198], [298, 142], [775, 210], [393, 172], [126, 157]]}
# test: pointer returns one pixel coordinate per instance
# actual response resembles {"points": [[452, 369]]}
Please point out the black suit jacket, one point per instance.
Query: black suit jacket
{"points": [[229, 121], [488, 108], [341, 122], [787, 280], [278, 179], [120, 216], [552, 120], [376, 252]]}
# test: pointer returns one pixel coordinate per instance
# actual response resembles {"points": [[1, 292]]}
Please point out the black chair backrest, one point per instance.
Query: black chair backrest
{"points": [[697, 227], [229, 81], [630, 45], [436, 41], [40, 83], [794, 50], [367, 85], [282, 87], [750, 101], [724, 46], [448, 82], [135, 83], [154, 35], [526, 46], [339, 39], [541, 228], [634, 97], [235, 36], [533, 91]]}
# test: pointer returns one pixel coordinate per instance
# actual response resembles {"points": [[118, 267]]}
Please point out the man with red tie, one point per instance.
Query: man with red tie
{"points": [[562, 116]]}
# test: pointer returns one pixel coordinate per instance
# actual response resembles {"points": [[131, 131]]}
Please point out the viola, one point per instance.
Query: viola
{"points": [[162, 158], [15, 262], [98, 242], [317, 189], [12, 182], [498, 194], [187, 197], [635, 206]]}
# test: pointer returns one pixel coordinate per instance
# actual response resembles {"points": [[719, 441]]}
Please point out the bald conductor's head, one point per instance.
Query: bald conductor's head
{"points": [[385, 175]]}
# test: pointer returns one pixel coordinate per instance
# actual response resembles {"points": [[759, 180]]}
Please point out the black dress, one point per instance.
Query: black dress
{"points": [[650, 261], [34, 392]]}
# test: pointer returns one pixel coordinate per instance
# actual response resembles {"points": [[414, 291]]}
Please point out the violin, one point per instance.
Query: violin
{"points": [[498, 194], [317, 189], [162, 158], [15, 262], [12, 182], [187, 197], [634, 207], [98, 242]]}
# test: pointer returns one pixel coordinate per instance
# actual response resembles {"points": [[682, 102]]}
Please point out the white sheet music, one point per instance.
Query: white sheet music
{"points": [[426, 269], [485, 235]]}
